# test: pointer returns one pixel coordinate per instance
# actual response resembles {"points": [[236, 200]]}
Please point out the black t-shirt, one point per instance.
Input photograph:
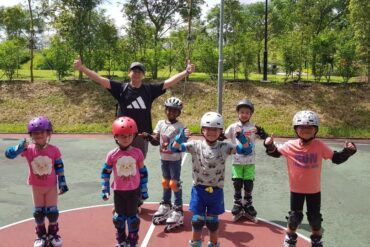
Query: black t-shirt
{"points": [[137, 102]]}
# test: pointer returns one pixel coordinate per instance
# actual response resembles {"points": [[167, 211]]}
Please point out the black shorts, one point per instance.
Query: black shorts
{"points": [[313, 202], [126, 202]]}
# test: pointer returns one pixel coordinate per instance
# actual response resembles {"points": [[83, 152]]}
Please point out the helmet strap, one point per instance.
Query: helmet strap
{"points": [[306, 141]]}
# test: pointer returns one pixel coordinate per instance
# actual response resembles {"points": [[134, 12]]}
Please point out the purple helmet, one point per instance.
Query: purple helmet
{"points": [[40, 123]]}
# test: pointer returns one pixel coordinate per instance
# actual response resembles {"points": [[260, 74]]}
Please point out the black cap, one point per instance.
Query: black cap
{"points": [[137, 65]]}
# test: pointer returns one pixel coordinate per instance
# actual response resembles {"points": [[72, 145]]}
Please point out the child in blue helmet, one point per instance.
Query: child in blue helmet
{"points": [[209, 158], [46, 169], [304, 161]]}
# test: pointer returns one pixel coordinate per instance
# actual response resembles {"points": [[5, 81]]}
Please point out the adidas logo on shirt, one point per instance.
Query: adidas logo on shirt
{"points": [[137, 104]]}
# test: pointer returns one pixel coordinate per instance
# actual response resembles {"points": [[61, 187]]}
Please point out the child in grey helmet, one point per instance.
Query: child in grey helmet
{"points": [[304, 161], [209, 158], [164, 133]]}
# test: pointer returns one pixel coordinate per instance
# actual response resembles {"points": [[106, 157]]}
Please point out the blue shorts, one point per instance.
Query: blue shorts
{"points": [[203, 202]]}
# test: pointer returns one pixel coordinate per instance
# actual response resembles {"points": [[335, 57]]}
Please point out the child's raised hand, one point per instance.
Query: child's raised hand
{"points": [[77, 64], [350, 145], [269, 140], [24, 144], [190, 68], [187, 132]]}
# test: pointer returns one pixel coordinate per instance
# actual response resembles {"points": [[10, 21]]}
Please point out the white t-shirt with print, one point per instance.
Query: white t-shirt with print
{"points": [[249, 130], [208, 162]]}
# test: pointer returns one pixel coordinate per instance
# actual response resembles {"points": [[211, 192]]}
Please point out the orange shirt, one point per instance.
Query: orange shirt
{"points": [[304, 164]]}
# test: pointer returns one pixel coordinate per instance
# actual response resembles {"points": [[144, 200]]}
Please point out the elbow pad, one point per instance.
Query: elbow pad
{"points": [[181, 138], [175, 150], [261, 133], [241, 138], [106, 171], [244, 151], [272, 151], [342, 156], [58, 166], [13, 151]]}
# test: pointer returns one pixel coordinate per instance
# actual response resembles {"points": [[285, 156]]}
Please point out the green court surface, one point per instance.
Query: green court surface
{"points": [[345, 188]]}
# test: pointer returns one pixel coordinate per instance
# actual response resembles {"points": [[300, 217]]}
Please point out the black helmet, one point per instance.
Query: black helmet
{"points": [[246, 103]]}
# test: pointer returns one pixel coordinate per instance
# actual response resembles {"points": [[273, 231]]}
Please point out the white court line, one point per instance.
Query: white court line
{"points": [[184, 158], [152, 226], [148, 235]]}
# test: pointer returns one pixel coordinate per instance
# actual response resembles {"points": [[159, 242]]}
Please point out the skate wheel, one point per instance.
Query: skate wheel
{"points": [[251, 218]]}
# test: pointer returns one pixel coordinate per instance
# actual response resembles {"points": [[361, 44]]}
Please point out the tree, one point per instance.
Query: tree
{"points": [[60, 56], [162, 16], [9, 56], [74, 23], [359, 12]]}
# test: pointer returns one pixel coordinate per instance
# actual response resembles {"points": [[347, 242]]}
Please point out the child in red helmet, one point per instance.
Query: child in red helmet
{"points": [[130, 178]]}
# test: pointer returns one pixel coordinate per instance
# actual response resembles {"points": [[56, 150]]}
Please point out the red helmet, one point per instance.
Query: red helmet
{"points": [[124, 126]]}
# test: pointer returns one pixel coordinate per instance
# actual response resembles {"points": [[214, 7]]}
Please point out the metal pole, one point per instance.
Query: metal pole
{"points": [[265, 51], [220, 59]]}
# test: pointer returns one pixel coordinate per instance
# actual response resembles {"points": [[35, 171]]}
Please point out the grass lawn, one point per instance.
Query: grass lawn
{"points": [[85, 107]]}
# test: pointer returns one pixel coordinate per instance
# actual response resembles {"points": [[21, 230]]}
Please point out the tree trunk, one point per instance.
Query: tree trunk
{"points": [[31, 44], [259, 62]]}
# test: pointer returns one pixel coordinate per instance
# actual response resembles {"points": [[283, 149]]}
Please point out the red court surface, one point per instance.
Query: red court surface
{"points": [[92, 226]]}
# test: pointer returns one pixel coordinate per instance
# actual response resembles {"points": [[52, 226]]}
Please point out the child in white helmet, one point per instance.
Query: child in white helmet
{"points": [[243, 170], [46, 174], [304, 159], [209, 157], [164, 133]]}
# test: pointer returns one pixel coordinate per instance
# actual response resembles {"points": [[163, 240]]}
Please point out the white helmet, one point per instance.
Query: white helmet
{"points": [[173, 102], [306, 118], [213, 120]]}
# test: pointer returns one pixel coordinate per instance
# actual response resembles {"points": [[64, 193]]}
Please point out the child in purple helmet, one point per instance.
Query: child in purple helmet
{"points": [[46, 169]]}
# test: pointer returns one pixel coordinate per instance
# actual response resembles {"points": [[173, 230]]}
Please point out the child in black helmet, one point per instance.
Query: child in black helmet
{"points": [[243, 170]]}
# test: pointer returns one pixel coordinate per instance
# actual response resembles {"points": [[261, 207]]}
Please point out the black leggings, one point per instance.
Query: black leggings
{"points": [[313, 202]]}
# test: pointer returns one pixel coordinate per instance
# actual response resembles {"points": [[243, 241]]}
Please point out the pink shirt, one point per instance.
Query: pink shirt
{"points": [[304, 164], [41, 165], [125, 168]]}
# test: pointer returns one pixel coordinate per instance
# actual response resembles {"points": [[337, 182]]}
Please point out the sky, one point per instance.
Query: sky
{"points": [[113, 10]]}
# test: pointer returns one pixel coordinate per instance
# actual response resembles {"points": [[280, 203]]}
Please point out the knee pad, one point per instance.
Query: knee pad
{"points": [[119, 221], [315, 220], [238, 183], [248, 186], [294, 219], [52, 213], [165, 183], [197, 222], [212, 223], [175, 185], [39, 215], [133, 223]]}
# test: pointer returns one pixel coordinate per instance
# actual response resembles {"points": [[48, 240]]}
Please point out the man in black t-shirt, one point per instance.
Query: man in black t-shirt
{"points": [[135, 99]]}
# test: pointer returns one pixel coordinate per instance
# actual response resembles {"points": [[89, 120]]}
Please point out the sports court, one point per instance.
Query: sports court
{"points": [[86, 219]]}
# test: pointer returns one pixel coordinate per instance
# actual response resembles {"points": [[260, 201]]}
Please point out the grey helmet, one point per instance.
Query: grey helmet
{"points": [[212, 120], [306, 118], [246, 103], [173, 102]]}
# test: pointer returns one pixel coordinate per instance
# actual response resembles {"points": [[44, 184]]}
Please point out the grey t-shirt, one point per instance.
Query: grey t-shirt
{"points": [[209, 161], [167, 132]]}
